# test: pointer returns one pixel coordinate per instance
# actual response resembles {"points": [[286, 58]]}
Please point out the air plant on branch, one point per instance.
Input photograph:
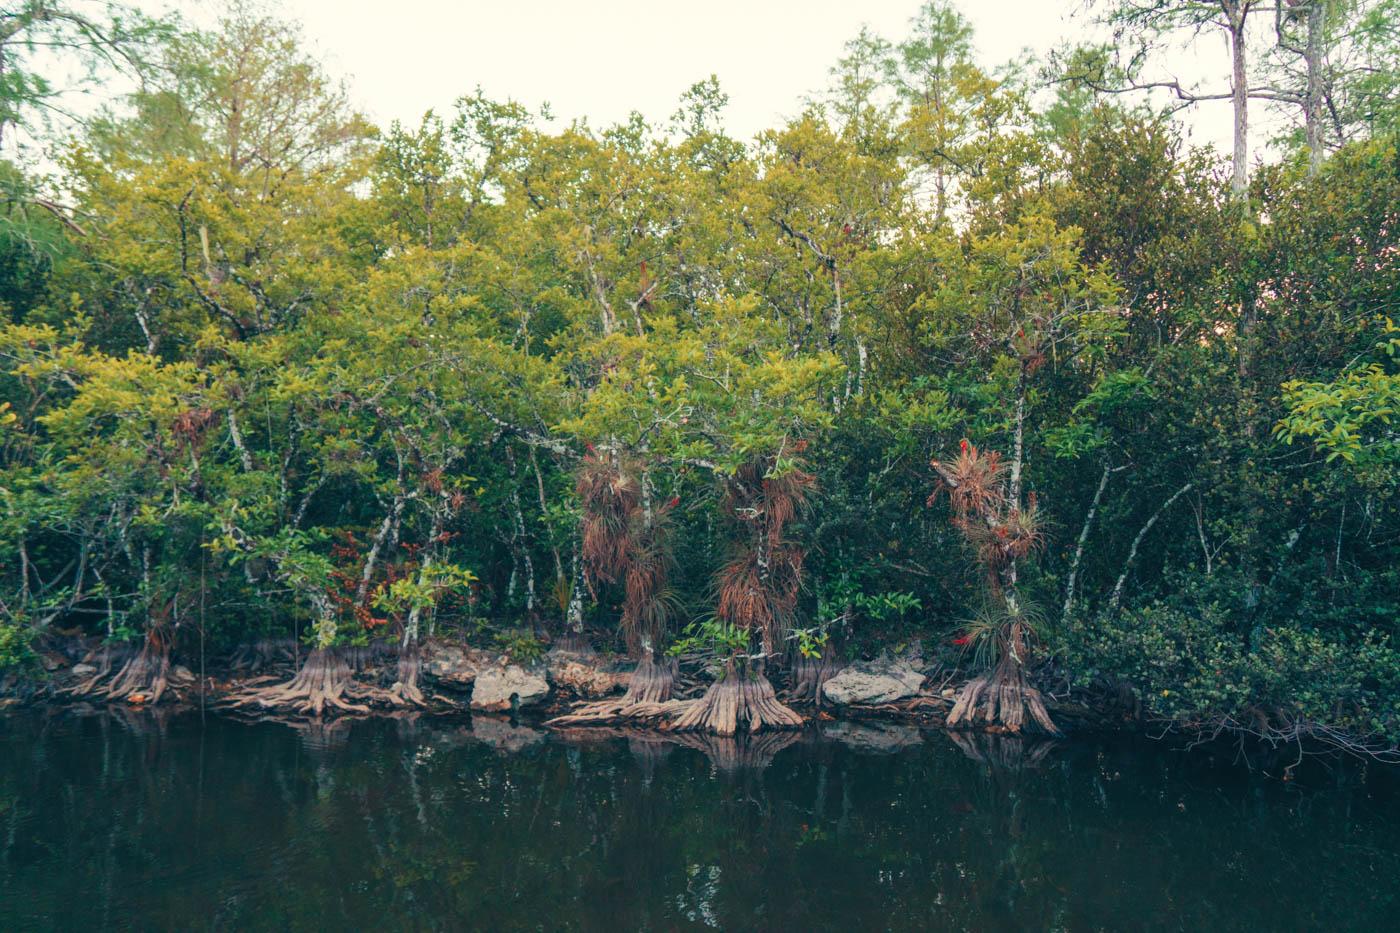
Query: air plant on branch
{"points": [[1001, 531], [626, 542], [756, 593]]}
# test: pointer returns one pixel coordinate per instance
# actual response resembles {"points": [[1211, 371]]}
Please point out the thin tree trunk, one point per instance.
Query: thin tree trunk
{"points": [[1018, 454], [386, 527], [1313, 99], [1083, 537], [1235, 12], [244, 457], [23, 574], [544, 514], [573, 617], [411, 627], [521, 541], [833, 328], [1117, 597]]}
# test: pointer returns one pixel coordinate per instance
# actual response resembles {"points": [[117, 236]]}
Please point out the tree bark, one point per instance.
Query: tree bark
{"points": [[1018, 455], [1235, 11], [1312, 101], [521, 539], [1117, 597], [1083, 537]]}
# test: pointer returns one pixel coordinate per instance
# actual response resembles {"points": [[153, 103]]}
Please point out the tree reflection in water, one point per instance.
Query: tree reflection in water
{"points": [[119, 819]]}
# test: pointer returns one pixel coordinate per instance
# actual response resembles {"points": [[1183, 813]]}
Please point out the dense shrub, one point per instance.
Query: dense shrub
{"points": [[1190, 665]]}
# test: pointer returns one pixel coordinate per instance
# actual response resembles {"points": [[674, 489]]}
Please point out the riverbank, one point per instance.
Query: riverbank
{"points": [[873, 696], [871, 702]]}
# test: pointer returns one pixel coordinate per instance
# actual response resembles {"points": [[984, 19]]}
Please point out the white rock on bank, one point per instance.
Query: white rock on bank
{"points": [[588, 677], [500, 689], [872, 683], [454, 665]]}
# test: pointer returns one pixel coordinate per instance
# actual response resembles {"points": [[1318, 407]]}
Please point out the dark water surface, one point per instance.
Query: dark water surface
{"points": [[131, 821]]}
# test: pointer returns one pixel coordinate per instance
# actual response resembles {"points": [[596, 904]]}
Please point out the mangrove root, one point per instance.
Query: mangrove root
{"points": [[262, 653], [405, 690], [652, 681], [808, 674], [648, 696], [574, 643], [108, 656], [735, 699], [143, 678], [364, 657], [323, 681], [1004, 698]]}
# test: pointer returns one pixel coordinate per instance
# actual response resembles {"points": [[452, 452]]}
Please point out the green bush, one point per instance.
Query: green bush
{"points": [[14, 646], [1191, 666], [521, 647]]}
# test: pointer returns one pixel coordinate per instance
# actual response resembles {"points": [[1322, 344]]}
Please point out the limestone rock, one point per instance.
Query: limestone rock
{"points": [[873, 682], [587, 676], [499, 689], [454, 665], [83, 670]]}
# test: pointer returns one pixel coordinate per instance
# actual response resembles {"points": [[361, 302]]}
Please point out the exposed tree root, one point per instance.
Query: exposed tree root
{"points": [[147, 674], [574, 643], [648, 696], [105, 658], [262, 653], [615, 711], [807, 676], [652, 681], [363, 657], [405, 691], [144, 677], [323, 681], [1003, 697], [737, 698]]}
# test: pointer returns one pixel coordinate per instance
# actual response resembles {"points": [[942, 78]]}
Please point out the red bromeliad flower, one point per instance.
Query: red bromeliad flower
{"points": [[962, 641]]}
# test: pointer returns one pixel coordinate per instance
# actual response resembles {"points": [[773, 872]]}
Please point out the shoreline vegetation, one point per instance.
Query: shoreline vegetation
{"points": [[577, 693], [974, 395]]}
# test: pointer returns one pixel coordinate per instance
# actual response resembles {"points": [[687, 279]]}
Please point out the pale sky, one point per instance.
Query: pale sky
{"points": [[603, 59], [606, 58]]}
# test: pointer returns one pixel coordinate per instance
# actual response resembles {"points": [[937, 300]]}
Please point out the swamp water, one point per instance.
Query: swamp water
{"points": [[123, 820]]}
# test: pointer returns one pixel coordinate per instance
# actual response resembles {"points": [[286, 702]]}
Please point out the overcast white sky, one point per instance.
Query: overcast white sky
{"points": [[605, 58]]}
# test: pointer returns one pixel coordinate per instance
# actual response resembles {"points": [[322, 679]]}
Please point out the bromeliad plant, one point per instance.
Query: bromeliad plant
{"points": [[757, 593], [626, 541], [1001, 530]]}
